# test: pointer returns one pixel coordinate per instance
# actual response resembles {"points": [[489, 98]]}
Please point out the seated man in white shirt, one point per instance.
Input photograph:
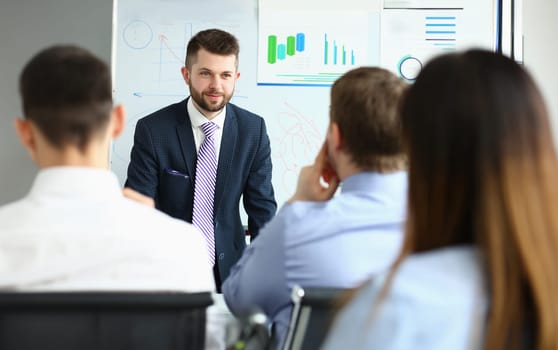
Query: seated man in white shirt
{"points": [[75, 230]]}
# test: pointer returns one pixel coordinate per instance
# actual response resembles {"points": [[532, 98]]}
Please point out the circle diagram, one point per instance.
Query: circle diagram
{"points": [[137, 34], [409, 67]]}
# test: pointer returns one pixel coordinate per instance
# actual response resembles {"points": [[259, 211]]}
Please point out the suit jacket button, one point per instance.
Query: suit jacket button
{"points": [[221, 256]]}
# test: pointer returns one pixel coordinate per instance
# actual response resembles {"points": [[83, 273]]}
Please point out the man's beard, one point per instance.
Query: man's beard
{"points": [[207, 106]]}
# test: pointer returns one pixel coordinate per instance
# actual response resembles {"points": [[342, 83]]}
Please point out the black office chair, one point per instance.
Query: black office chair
{"points": [[313, 310], [250, 332], [103, 320]]}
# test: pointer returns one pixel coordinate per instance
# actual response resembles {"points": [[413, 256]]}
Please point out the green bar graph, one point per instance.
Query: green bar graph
{"points": [[291, 45], [271, 49]]}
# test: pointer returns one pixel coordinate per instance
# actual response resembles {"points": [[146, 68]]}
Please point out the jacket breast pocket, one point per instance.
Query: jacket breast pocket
{"points": [[175, 193], [176, 173]]}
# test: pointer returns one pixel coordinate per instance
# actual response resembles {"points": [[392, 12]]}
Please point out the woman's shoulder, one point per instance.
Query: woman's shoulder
{"points": [[442, 289], [448, 279]]}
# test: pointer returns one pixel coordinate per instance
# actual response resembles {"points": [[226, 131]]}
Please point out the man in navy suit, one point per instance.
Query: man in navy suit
{"points": [[167, 142]]}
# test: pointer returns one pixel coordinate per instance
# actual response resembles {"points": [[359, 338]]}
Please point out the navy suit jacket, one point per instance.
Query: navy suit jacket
{"points": [[163, 165]]}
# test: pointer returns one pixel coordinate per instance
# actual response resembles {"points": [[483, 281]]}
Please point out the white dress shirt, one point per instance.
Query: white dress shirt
{"points": [[197, 119], [76, 231]]}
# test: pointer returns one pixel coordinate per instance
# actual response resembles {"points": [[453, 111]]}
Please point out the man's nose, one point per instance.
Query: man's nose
{"points": [[215, 81]]}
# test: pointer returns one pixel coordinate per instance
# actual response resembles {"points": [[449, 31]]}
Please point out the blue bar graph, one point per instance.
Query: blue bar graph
{"points": [[326, 46], [300, 42], [441, 18], [281, 51], [336, 53], [440, 31]]}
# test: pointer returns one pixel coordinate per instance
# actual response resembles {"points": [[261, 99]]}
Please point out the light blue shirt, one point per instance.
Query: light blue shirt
{"points": [[338, 243], [437, 301]]}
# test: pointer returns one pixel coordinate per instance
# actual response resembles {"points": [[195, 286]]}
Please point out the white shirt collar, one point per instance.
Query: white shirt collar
{"points": [[76, 181], [197, 119]]}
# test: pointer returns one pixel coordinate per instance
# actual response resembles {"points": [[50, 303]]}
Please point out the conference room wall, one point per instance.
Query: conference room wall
{"points": [[541, 51], [26, 26]]}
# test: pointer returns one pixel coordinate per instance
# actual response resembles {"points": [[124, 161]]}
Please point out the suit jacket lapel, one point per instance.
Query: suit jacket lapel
{"points": [[186, 139], [226, 153]]}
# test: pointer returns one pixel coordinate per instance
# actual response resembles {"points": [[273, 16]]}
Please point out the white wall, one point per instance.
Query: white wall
{"points": [[541, 50], [26, 26]]}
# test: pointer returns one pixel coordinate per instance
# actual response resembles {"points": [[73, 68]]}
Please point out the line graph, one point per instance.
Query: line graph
{"points": [[295, 144]]}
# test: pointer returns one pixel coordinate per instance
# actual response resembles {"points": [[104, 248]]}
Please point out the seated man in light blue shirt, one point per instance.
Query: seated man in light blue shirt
{"points": [[317, 240]]}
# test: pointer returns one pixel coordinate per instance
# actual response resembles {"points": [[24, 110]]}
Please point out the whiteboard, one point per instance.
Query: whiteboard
{"points": [[150, 38]]}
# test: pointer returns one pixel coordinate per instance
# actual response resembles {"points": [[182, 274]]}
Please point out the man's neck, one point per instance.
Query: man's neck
{"points": [[73, 157], [344, 166], [207, 114], [347, 170]]}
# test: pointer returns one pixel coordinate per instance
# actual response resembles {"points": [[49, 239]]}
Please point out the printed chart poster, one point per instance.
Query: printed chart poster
{"points": [[422, 33], [311, 48]]}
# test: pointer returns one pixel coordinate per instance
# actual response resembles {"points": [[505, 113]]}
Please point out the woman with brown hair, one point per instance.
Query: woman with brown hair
{"points": [[478, 268]]}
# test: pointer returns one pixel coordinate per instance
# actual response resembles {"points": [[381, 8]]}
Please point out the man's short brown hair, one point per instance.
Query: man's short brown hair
{"points": [[66, 92], [215, 41], [365, 106]]}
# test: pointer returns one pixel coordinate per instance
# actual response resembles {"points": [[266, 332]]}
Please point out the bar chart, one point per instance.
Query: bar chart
{"points": [[424, 33], [441, 32], [275, 51], [298, 48], [337, 53]]}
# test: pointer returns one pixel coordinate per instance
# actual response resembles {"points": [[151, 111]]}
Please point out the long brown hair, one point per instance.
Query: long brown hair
{"points": [[482, 171]]}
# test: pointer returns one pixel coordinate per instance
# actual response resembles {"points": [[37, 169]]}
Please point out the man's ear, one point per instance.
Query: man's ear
{"points": [[118, 121], [26, 136], [336, 139], [185, 75]]}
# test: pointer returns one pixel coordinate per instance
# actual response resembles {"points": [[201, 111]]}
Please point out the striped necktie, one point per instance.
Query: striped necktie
{"points": [[204, 188]]}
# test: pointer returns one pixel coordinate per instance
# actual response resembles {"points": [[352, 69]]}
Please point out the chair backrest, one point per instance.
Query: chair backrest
{"points": [[313, 310], [103, 320]]}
